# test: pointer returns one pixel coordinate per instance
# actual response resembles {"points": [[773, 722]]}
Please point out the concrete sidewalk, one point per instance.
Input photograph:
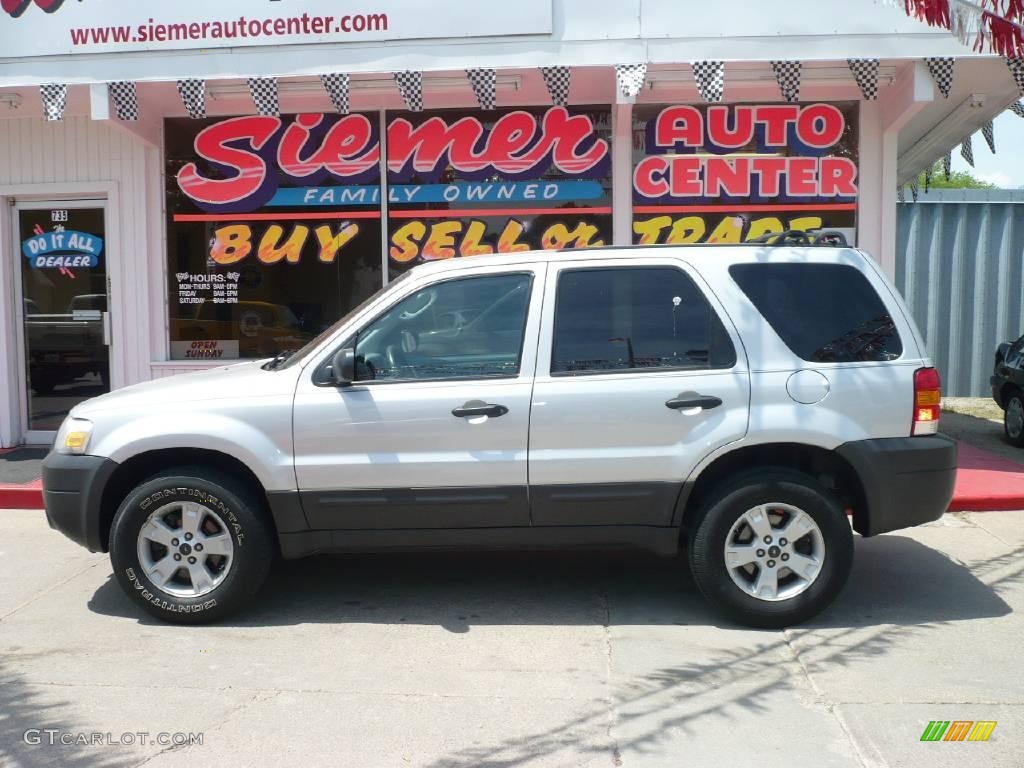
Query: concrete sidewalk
{"points": [[519, 659]]}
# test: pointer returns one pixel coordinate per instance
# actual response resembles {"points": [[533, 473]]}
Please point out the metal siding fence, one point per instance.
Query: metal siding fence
{"points": [[959, 260]]}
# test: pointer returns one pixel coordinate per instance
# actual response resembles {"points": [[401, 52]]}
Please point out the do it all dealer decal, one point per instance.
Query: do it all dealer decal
{"points": [[62, 249]]}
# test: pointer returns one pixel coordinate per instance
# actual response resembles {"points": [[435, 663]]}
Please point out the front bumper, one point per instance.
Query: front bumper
{"points": [[73, 494], [997, 388], [907, 481]]}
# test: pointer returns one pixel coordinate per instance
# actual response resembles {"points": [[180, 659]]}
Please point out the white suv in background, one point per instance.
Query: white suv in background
{"points": [[742, 402]]}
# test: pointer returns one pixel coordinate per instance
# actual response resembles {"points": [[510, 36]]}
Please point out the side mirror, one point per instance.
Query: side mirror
{"points": [[343, 367]]}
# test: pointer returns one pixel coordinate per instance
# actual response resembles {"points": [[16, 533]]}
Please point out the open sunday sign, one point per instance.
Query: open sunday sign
{"points": [[63, 249]]}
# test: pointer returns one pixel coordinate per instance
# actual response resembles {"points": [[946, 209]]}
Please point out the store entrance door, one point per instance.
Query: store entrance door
{"points": [[65, 323]]}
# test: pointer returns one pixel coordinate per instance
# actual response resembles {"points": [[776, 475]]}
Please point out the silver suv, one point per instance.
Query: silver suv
{"points": [[743, 403]]}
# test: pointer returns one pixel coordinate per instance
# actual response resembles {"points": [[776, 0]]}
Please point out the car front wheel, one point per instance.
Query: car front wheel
{"points": [[191, 545], [772, 549]]}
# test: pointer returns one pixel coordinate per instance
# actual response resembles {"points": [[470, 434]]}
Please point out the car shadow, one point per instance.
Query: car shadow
{"points": [[895, 580]]}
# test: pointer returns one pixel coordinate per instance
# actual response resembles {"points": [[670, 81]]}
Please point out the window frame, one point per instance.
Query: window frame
{"points": [[320, 378], [698, 284]]}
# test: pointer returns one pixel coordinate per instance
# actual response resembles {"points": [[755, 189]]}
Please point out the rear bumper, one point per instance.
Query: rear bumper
{"points": [[72, 495], [907, 480]]}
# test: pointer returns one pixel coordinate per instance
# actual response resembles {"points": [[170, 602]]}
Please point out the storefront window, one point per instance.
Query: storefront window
{"points": [[466, 183], [273, 229], [731, 173]]}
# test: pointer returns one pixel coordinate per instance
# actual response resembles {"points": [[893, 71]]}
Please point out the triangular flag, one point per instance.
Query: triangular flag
{"points": [[1016, 66], [125, 101], [629, 78], [865, 72], [913, 191], [410, 85], [193, 96], [927, 179], [899, 194], [264, 95], [967, 152], [484, 82], [710, 77], [990, 136], [336, 86], [942, 73], [947, 164], [557, 80], [55, 100], [1017, 108], [787, 73]]}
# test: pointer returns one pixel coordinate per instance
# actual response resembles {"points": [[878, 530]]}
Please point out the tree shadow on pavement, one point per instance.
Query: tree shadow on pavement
{"points": [[22, 707], [899, 589]]}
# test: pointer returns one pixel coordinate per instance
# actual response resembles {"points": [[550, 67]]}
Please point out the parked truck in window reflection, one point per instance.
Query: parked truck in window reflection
{"points": [[751, 405]]}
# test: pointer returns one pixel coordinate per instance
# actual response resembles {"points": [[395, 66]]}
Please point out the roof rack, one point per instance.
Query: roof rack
{"points": [[827, 237]]}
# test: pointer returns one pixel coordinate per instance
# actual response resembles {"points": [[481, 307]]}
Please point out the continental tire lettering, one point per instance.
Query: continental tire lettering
{"points": [[162, 603]]}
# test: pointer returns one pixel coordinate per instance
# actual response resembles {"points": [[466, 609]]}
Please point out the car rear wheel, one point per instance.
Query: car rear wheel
{"points": [[772, 549], [1013, 420], [191, 545]]}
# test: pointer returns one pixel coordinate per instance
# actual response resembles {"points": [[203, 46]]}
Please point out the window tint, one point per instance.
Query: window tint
{"points": [[632, 318], [471, 327], [825, 313]]}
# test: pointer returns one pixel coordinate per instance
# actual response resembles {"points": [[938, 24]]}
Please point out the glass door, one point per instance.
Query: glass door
{"points": [[65, 320]]}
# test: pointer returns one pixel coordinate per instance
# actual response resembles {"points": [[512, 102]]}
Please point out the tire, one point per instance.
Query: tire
{"points": [[826, 549], [1013, 420], [225, 574]]}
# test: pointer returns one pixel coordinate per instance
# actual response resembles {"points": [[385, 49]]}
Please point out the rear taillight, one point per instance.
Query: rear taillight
{"points": [[927, 396]]}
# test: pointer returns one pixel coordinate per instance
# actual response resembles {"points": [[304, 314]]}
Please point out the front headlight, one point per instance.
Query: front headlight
{"points": [[73, 436]]}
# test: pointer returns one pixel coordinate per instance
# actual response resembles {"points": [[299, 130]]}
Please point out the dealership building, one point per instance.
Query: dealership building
{"points": [[188, 184]]}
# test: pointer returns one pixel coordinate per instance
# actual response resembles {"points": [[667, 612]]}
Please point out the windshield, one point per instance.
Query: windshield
{"points": [[303, 352]]}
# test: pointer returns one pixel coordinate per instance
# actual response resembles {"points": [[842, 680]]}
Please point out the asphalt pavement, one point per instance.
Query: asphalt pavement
{"points": [[516, 660]]}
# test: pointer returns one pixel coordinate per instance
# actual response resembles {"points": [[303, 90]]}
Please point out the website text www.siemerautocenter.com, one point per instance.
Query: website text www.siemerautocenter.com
{"points": [[53, 737], [235, 28]]}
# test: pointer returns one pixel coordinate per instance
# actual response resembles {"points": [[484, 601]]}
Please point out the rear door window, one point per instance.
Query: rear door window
{"points": [[633, 318], [825, 313]]}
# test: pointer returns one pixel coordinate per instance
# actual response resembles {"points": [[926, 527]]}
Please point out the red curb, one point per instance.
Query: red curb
{"points": [[22, 496], [985, 482]]}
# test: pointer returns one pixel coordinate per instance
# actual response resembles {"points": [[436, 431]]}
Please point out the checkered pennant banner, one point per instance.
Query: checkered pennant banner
{"points": [[967, 152], [410, 85], [942, 73], [629, 78], [193, 96], [710, 77], [990, 136], [913, 191], [336, 86], [1017, 108], [787, 73], [947, 165], [1016, 66], [557, 79], [55, 99], [927, 179], [484, 82], [899, 194], [865, 72], [126, 102], [264, 95]]}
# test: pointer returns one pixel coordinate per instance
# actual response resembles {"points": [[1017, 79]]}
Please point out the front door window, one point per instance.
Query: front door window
{"points": [[64, 310]]}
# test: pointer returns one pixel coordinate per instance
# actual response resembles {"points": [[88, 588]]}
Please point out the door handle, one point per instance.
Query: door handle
{"points": [[479, 408], [686, 400]]}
